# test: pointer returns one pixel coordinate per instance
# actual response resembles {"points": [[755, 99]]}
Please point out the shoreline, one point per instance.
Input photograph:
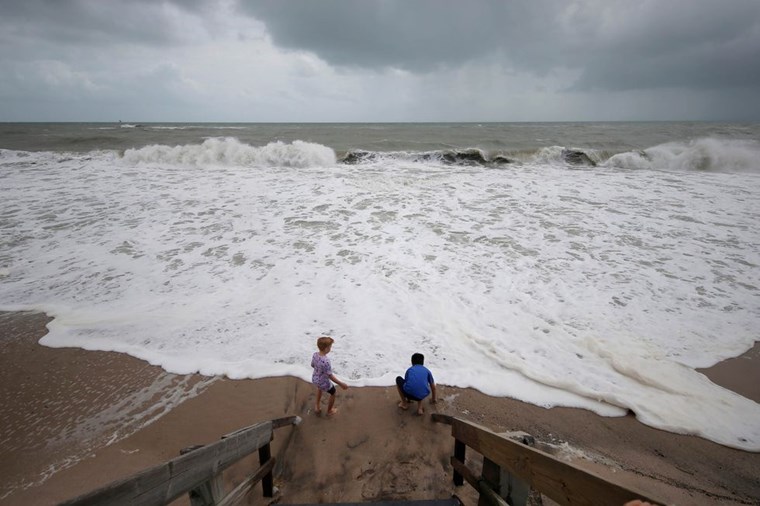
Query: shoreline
{"points": [[101, 416]]}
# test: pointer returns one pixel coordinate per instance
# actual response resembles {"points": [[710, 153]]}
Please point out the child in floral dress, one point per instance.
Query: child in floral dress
{"points": [[323, 374]]}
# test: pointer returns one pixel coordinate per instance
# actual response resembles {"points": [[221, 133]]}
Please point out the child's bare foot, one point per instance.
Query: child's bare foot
{"points": [[420, 412], [317, 411], [403, 405], [332, 412]]}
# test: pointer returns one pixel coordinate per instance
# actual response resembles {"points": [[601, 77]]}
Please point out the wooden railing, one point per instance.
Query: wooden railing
{"points": [[198, 472], [511, 469], [513, 472]]}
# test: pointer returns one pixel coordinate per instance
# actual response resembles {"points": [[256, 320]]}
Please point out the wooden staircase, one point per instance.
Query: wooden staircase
{"points": [[513, 473]]}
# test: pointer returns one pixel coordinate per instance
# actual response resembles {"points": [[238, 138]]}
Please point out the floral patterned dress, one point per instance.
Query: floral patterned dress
{"points": [[322, 371]]}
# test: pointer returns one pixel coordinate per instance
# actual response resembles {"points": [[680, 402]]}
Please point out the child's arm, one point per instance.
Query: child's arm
{"points": [[432, 394], [338, 382]]}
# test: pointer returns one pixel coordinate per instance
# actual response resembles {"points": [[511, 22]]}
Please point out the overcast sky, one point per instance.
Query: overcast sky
{"points": [[379, 60]]}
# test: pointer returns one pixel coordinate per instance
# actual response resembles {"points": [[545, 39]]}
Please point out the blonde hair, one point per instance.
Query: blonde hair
{"points": [[324, 342]]}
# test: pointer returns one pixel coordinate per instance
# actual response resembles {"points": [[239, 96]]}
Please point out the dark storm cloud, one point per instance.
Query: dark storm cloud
{"points": [[613, 45], [700, 45], [88, 22], [339, 60], [415, 35]]}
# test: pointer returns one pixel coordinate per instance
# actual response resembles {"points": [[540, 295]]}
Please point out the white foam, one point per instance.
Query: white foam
{"points": [[706, 154], [231, 152], [599, 288]]}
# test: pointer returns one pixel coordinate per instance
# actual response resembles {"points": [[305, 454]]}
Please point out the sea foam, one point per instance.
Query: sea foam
{"points": [[599, 288], [231, 152], [706, 154]]}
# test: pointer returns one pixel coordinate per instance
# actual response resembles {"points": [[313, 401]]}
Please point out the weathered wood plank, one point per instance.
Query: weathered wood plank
{"points": [[208, 493], [267, 483], [558, 480], [491, 475], [465, 472], [285, 421], [121, 491], [164, 483], [459, 453], [200, 465], [239, 492], [487, 495]]}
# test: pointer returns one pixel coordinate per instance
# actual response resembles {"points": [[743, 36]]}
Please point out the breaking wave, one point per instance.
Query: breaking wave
{"points": [[478, 157], [706, 154], [471, 156], [231, 152]]}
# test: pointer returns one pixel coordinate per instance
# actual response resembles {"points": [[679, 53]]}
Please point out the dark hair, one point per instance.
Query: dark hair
{"points": [[418, 359]]}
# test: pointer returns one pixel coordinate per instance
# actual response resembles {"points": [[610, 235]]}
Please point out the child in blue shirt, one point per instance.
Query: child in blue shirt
{"points": [[416, 384]]}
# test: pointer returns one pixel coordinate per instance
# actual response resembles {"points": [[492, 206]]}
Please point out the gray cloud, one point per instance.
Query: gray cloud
{"points": [[415, 36], [699, 45], [88, 23], [614, 45], [379, 60]]}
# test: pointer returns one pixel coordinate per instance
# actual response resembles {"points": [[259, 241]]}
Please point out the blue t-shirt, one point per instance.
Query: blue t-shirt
{"points": [[417, 381]]}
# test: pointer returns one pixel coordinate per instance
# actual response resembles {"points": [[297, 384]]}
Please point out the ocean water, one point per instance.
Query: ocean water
{"points": [[591, 265]]}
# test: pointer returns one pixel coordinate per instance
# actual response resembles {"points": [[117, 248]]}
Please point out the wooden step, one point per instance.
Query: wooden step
{"points": [[452, 501]]}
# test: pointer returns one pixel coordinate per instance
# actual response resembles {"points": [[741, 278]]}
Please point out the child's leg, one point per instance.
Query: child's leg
{"points": [[420, 409], [403, 404], [330, 409], [317, 408]]}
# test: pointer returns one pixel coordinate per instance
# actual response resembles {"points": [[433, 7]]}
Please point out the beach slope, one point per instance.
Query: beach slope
{"points": [[74, 420]]}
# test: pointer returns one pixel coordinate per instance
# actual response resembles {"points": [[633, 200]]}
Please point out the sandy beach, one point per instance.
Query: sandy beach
{"points": [[73, 420]]}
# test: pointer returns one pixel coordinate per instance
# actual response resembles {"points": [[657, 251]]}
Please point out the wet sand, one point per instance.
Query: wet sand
{"points": [[60, 409]]}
